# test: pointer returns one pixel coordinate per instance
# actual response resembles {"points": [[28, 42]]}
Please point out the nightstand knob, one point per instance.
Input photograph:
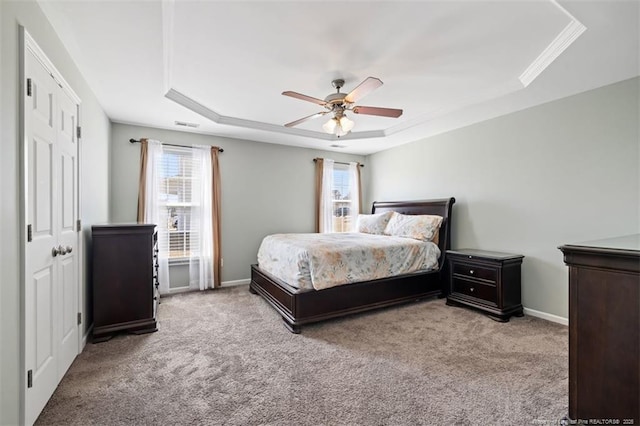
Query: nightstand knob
{"points": [[471, 289], [471, 271], [470, 257]]}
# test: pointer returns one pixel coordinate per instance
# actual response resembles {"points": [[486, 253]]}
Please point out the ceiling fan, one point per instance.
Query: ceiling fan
{"points": [[338, 103]]}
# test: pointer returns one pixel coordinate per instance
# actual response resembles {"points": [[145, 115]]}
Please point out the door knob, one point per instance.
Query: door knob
{"points": [[61, 250]]}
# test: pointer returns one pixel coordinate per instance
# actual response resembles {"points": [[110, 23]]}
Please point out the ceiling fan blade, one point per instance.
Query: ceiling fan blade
{"points": [[363, 89], [304, 97], [383, 112], [302, 120]]}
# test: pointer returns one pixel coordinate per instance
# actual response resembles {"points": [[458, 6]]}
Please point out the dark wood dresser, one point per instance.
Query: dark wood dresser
{"points": [[125, 266], [485, 280], [604, 330]]}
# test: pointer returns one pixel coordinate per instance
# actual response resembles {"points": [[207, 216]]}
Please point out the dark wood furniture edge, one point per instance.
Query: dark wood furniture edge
{"points": [[294, 317], [601, 258], [299, 307], [136, 327], [618, 264], [489, 311]]}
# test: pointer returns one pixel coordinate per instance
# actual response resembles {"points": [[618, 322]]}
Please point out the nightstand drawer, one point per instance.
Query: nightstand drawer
{"points": [[473, 271], [486, 292]]}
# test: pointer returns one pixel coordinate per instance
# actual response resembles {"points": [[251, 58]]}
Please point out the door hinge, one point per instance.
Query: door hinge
{"points": [[29, 233], [30, 379], [79, 131], [78, 225], [79, 318], [29, 87]]}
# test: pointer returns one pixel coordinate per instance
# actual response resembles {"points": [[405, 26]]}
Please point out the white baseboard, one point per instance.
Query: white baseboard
{"points": [[546, 316], [177, 290], [235, 282]]}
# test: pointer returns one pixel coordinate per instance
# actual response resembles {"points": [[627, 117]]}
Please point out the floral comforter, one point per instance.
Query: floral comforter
{"points": [[321, 261]]}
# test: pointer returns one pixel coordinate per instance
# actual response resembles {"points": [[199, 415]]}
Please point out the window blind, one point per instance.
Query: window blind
{"points": [[178, 178]]}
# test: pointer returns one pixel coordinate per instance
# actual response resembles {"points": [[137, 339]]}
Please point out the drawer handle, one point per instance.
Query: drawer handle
{"points": [[471, 290], [471, 271]]}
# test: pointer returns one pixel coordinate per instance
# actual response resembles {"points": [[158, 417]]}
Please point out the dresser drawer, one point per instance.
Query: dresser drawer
{"points": [[486, 292], [473, 271]]}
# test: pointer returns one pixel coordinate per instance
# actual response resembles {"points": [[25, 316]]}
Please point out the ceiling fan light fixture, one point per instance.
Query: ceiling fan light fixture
{"points": [[330, 126], [346, 124], [338, 126]]}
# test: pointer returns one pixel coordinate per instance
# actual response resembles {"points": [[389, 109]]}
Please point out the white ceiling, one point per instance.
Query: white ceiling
{"points": [[224, 64]]}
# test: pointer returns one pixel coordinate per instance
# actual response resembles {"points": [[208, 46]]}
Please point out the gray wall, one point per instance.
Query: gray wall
{"points": [[94, 181], [563, 172], [266, 188]]}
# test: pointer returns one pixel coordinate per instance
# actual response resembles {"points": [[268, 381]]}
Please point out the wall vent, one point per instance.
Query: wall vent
{"points": [[185, 124]]}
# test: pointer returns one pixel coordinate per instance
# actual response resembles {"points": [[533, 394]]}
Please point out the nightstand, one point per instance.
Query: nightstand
{"points": [[485, 280]]}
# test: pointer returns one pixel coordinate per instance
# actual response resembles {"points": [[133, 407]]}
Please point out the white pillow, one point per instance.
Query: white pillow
{"points": [[420, 227], [373, 223]]}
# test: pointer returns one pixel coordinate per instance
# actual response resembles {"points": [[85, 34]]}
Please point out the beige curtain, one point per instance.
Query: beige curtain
{"points": [[142, 184], [359, 189], [216, 216], [319, 168]]}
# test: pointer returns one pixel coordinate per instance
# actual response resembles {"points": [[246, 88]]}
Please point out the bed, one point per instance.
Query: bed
{"points": [[300, 306]]}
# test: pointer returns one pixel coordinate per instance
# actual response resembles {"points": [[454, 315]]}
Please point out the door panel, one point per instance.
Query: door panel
{"points": [[43, 285], [41, 188], [68, 180], [41, 269], [67, 235], [51, 269], [41, 358], [42, 98], [68, 296], [67, 166]]}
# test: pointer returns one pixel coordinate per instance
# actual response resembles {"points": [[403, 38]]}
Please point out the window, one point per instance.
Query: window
{"points": [[179, 176], [180, 193], [337, 196], [342, 199]]}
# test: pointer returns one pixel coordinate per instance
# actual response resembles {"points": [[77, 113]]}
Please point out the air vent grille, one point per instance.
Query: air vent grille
{"points": [[185, 124]]}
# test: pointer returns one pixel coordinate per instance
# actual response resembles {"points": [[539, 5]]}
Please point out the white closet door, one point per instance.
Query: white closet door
{"points": [[67, 235], [41, 287], [51, 269]]}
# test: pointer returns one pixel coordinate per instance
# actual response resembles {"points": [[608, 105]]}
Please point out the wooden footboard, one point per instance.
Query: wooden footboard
{"points": [[298, 307]]}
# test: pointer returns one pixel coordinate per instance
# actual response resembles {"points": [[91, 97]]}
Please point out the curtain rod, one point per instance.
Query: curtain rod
{"points": [[337, 162], [171, 144]]}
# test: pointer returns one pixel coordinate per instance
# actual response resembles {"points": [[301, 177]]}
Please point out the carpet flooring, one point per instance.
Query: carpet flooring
{"points": [[223, 357]]}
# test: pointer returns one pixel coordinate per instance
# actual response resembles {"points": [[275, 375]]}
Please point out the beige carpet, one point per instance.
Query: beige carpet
{"points": [[224, 358]]}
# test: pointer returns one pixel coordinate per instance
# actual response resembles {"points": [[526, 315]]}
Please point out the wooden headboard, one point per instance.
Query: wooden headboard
{"points": [[440, 207]]}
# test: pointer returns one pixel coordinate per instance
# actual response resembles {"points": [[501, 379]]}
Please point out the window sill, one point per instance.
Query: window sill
{"points": [[179, 261]]}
